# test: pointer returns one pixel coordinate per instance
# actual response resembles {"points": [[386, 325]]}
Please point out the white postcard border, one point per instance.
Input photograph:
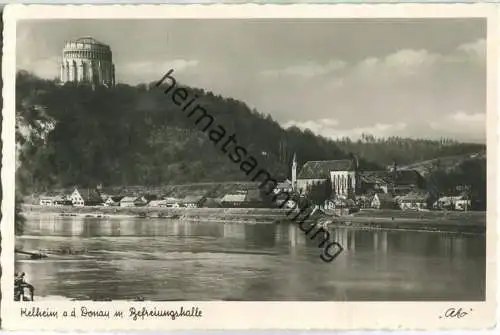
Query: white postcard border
{"points": [[249, 315]]}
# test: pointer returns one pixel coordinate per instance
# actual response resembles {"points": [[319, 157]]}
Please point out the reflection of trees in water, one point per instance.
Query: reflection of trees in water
{"points": [[91, 228], [89, 280], [234, 231], [206, 229], [260, 235], [125, 267]]}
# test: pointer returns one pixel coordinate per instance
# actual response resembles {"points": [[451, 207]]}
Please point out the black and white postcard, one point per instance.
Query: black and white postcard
{"points": [[249, 167]]}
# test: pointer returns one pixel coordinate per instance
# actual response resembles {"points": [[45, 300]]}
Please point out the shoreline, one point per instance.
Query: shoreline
{"points": [[368, 219]]}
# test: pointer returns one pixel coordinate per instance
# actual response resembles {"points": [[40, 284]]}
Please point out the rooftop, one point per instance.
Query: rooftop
{"points": [[321, 169]]}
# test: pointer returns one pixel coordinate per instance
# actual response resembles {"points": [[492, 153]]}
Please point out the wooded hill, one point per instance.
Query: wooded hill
{"points": [[128, 135]]}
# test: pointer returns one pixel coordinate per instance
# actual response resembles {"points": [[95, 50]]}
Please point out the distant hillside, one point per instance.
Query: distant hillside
{"points": [[128, 135], [406, 151], [446, 164]]}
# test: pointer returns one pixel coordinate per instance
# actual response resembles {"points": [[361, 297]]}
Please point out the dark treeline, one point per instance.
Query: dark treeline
{"points": [[469, 177], [386, 151], [130, 135]]}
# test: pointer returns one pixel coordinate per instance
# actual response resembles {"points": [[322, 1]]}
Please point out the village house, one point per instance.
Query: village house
{"points": [[459, 203], [383, 201], [233, 200], [463, 203], [395, 182], [89, 197], [171, 202], [348, 181], [374, 182], [55, 200], [283, 187], [405, 181], [192, 201], [113, 200], [157, 203], [413, 201], [133, 201], [211, 203], [48, 201]]}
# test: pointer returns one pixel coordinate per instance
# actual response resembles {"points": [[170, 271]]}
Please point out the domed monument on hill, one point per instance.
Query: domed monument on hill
{"points": [[86, 60]]}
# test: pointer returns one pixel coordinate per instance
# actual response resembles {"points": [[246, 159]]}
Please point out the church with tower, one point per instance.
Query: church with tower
{"points": [[343, 175], [348, 180]]}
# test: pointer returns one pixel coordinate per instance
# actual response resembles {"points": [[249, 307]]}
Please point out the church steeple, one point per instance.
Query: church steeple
{"points": [[294, 172]]}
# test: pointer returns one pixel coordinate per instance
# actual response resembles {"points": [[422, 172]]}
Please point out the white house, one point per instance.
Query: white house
{"points": [[283, 187], [462, 204], [157, 203], [86, 198], [383, 201], [413, 200], [48, 201], [458, 203], [113, 201], [192, 201]]}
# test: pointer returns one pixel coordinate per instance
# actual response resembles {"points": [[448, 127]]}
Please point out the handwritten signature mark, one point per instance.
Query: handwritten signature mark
{"points": [[453, 313]]}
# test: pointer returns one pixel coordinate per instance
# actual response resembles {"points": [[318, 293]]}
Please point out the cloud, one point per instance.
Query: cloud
{"points": [[468, 126], [392, 94], [308, 70], [403, 61], [178, 65], [474, 50], [147, 71], [463, 117]]}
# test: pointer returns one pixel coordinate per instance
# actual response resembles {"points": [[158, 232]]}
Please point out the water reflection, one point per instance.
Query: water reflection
{"points": [[162, 259]]}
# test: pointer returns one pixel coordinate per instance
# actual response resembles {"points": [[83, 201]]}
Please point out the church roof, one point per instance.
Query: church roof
{"points": [[321, 169]]}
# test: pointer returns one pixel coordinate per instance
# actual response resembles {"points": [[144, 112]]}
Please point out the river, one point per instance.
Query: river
{"points": [[154, 259]]}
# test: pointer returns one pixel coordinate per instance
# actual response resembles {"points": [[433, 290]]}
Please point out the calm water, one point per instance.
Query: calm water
{"points": [[173, 260]]}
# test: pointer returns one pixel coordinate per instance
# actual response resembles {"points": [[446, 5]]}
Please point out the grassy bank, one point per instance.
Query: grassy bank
{"points": [[471, 222], [207, 214]]}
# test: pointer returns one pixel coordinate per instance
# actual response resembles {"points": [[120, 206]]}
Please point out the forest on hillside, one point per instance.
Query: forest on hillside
{"points": [[134, 135], [404, 151]]}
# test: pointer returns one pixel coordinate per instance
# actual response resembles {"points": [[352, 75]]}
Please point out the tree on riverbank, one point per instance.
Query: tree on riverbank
{"points": [[19, 219], [319, 192]]}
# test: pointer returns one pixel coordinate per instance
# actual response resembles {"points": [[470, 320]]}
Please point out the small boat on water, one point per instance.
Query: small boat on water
{"points": [[67, 214], [158, 216], [96, 216]]}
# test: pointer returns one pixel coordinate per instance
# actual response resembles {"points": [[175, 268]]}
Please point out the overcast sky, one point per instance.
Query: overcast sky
{"points": [[419, 78]]}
